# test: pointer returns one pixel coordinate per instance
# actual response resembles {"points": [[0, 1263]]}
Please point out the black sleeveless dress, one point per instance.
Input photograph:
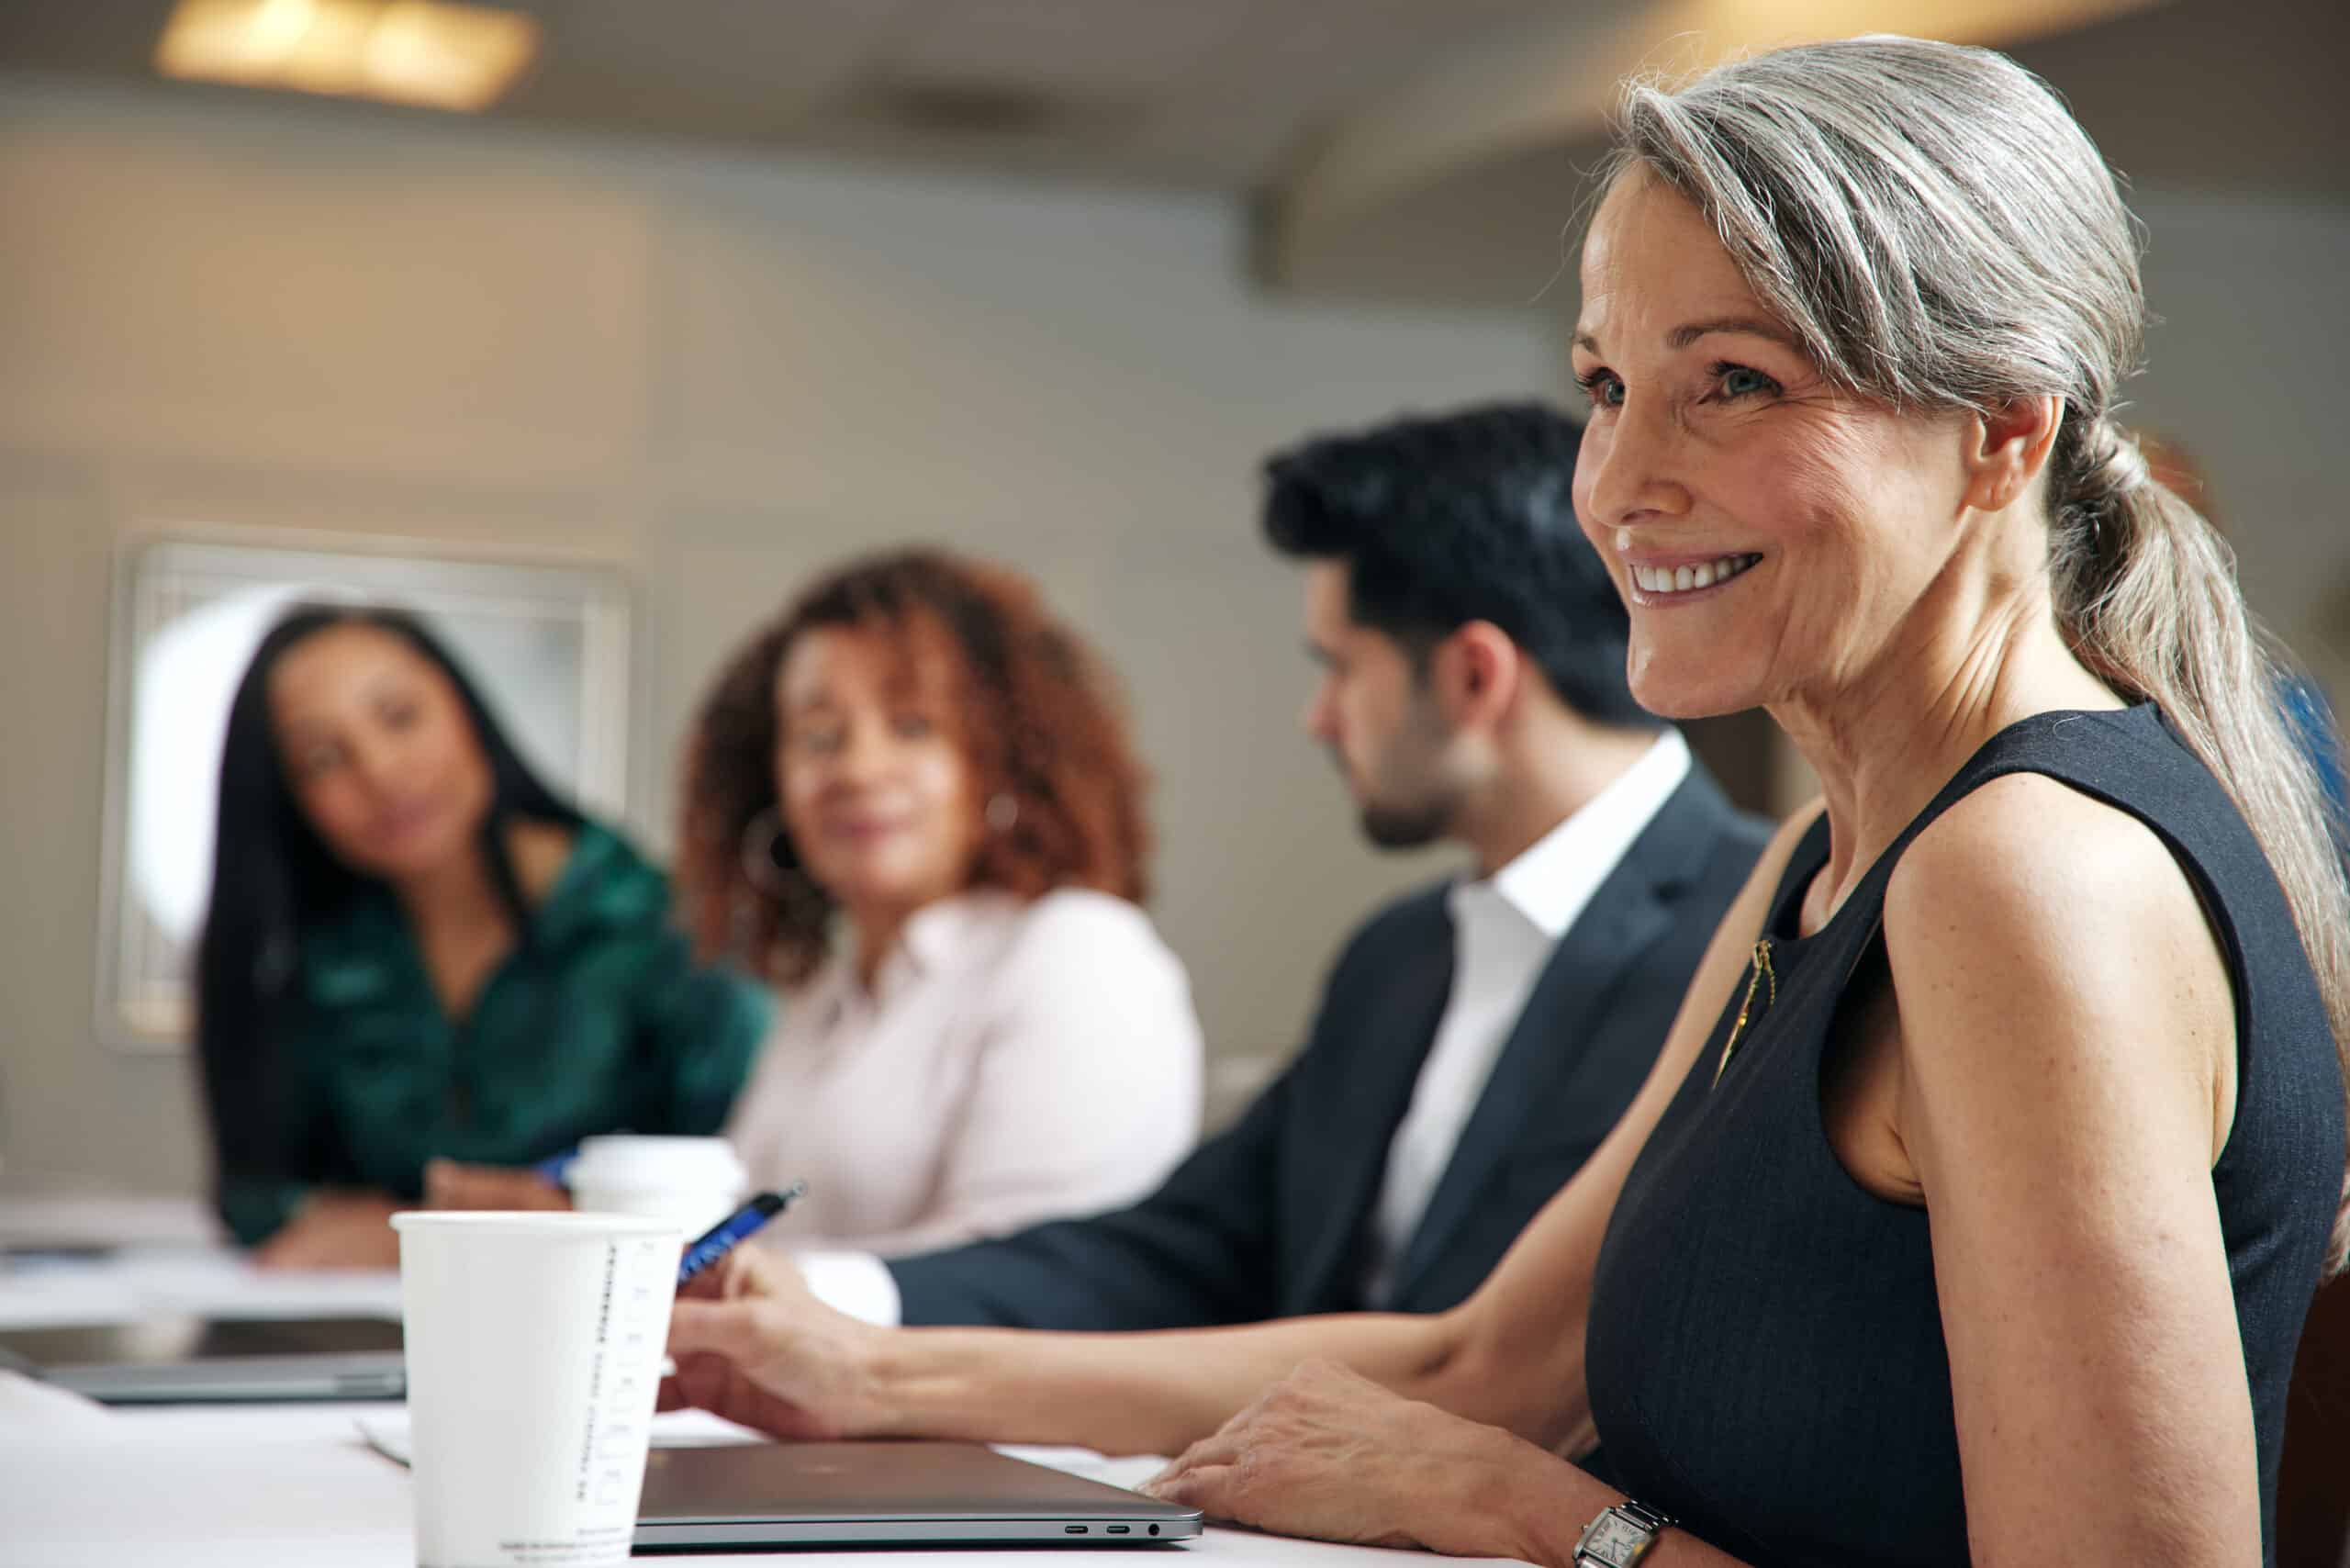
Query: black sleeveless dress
{"points": [[1765, 1351]]}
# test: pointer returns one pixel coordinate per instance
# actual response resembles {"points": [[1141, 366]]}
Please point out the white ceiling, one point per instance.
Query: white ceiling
{"points": [[1417, 147], [1214, 93]]}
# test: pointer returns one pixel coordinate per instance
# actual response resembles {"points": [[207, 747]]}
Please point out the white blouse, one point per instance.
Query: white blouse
{"points": [[1012, 1062]]}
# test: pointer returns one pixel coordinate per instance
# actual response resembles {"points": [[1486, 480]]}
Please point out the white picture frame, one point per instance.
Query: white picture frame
{"points": [[550, 643]]}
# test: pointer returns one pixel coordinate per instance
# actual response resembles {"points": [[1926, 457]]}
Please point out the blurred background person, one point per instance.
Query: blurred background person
{"points": [[414, 949], [995, 1033]]}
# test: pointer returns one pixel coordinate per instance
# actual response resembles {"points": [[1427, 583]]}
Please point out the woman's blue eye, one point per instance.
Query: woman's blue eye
{"points": [[1738, 380], [1604, 389]]}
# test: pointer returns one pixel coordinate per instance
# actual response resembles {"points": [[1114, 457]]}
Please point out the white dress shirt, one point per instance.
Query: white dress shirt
{"points": [[1504, 927], [1012, 1063]]}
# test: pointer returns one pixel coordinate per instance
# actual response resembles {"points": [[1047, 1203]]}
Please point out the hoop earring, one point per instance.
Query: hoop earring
{"points": [[1002, 812], [761, 838]]}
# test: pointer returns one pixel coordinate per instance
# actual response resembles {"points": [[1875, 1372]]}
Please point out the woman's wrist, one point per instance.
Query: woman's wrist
{"points": [[873, 1362], [1535, 1504]]}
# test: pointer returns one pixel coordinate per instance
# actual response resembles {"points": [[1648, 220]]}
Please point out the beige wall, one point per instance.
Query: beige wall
{"points": [[719, 371], [2245, 369]]}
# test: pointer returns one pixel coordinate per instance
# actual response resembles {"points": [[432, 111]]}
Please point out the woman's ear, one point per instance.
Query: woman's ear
{"points": [[2009, 448]]}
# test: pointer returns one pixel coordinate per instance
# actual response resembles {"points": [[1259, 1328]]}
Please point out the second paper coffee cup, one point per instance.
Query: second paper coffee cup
{"points": [[691, 1182]]}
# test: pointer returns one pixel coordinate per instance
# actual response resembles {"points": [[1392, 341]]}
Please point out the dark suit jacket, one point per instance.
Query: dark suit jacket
{"points": [[1269, 1219]]}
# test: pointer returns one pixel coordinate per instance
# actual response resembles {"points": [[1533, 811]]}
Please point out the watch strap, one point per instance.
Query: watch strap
{"points": [[1619, 1535]]}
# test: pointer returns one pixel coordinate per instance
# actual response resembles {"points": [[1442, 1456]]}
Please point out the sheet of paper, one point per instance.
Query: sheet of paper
{"points": [[28, 1404], [1117, 1470], [387, 1431]]}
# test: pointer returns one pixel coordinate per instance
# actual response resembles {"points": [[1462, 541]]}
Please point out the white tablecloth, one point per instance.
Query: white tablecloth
{"points": [[297, 1485]]}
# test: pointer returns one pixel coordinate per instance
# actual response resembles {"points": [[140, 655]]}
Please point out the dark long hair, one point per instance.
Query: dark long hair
{"points": [[274, 877]]}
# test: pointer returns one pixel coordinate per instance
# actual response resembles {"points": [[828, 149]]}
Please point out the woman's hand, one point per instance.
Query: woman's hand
{"points": [[751, 1345], [1329, 1454], [335, 1230], [450, 1185]]}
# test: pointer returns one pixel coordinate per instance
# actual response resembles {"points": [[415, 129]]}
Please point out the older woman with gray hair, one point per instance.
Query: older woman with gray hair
{"points": [[1976, 1202]]}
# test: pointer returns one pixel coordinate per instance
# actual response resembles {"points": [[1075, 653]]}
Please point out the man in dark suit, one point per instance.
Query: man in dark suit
{"points": [[1478, 1039]]}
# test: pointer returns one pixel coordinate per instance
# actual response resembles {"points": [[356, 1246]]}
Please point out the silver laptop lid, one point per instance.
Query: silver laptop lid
{"points": [[209, 1360], [882, 1492]]}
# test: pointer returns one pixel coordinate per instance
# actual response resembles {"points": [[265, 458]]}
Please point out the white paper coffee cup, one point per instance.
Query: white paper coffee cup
{"points": [[693, 1181], [533, 1346]]}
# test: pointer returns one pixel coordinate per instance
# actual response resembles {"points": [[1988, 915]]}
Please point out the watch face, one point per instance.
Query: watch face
{"points": [[1614, 1540]]}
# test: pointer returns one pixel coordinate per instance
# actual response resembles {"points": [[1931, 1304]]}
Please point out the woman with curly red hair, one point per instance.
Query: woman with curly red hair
{"points": [[911, 803]]}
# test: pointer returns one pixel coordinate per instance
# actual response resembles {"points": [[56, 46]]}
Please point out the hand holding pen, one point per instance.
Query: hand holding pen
{"points": [[722, 1237], [753, 1345]]}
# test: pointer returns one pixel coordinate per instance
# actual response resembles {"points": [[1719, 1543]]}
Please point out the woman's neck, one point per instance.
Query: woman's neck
{"points": [[1886, 742], [875, 931], [459, 894]]}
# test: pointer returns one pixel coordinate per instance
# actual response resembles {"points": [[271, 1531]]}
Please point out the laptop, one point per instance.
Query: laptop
{"points": [[753, 1495], [194, 1361]]}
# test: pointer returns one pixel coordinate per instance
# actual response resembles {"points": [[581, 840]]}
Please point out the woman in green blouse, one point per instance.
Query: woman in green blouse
{"points": [[416, 952]]}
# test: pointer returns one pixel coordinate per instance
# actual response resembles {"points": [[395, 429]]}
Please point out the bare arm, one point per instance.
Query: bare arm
{"points": [[2068, 1052], [1511, 1355], [335, 1230]]}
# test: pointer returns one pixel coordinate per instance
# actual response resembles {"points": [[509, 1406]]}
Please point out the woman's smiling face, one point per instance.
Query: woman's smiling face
{"points": [[1769, 531]]}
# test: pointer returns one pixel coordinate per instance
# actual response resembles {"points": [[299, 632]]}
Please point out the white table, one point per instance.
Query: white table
{"points": [[295, 1486]]}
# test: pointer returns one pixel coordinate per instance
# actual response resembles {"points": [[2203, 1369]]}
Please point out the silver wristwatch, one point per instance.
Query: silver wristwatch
{"points": [[1620, 1535]]}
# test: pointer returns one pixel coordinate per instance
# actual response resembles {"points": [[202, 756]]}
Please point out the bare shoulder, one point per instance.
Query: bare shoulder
{"points": [[2028, 858], [540, 850], [2037, 934]]}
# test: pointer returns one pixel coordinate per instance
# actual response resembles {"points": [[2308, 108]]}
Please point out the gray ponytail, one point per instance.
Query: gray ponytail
{"points": [[1941, 235]]}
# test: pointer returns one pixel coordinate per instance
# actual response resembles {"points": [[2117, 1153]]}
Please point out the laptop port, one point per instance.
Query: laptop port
{"points": [[1154, 1529], [1122, 1530], [1073, 1530]]}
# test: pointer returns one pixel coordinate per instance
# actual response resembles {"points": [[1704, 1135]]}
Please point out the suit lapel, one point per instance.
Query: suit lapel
{"points": [[1565, 1008], [1398, 1026]]}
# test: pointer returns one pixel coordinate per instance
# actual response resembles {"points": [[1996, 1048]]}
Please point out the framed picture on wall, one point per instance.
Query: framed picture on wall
{"points": [[549, 645]]}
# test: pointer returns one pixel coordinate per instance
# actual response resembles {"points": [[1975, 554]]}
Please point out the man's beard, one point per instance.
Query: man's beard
{"points": [[1406, 826], [1418, 806]]}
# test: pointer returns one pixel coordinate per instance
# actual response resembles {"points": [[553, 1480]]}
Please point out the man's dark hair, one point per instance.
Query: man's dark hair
{"points": [[1445, 520]]}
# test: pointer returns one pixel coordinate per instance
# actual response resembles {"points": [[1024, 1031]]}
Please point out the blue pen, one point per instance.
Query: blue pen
{"points": [[555, 1167], [720, 1239]]}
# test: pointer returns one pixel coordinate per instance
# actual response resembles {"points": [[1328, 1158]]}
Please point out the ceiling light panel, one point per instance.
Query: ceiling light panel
{"points": [[428, 53]]}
